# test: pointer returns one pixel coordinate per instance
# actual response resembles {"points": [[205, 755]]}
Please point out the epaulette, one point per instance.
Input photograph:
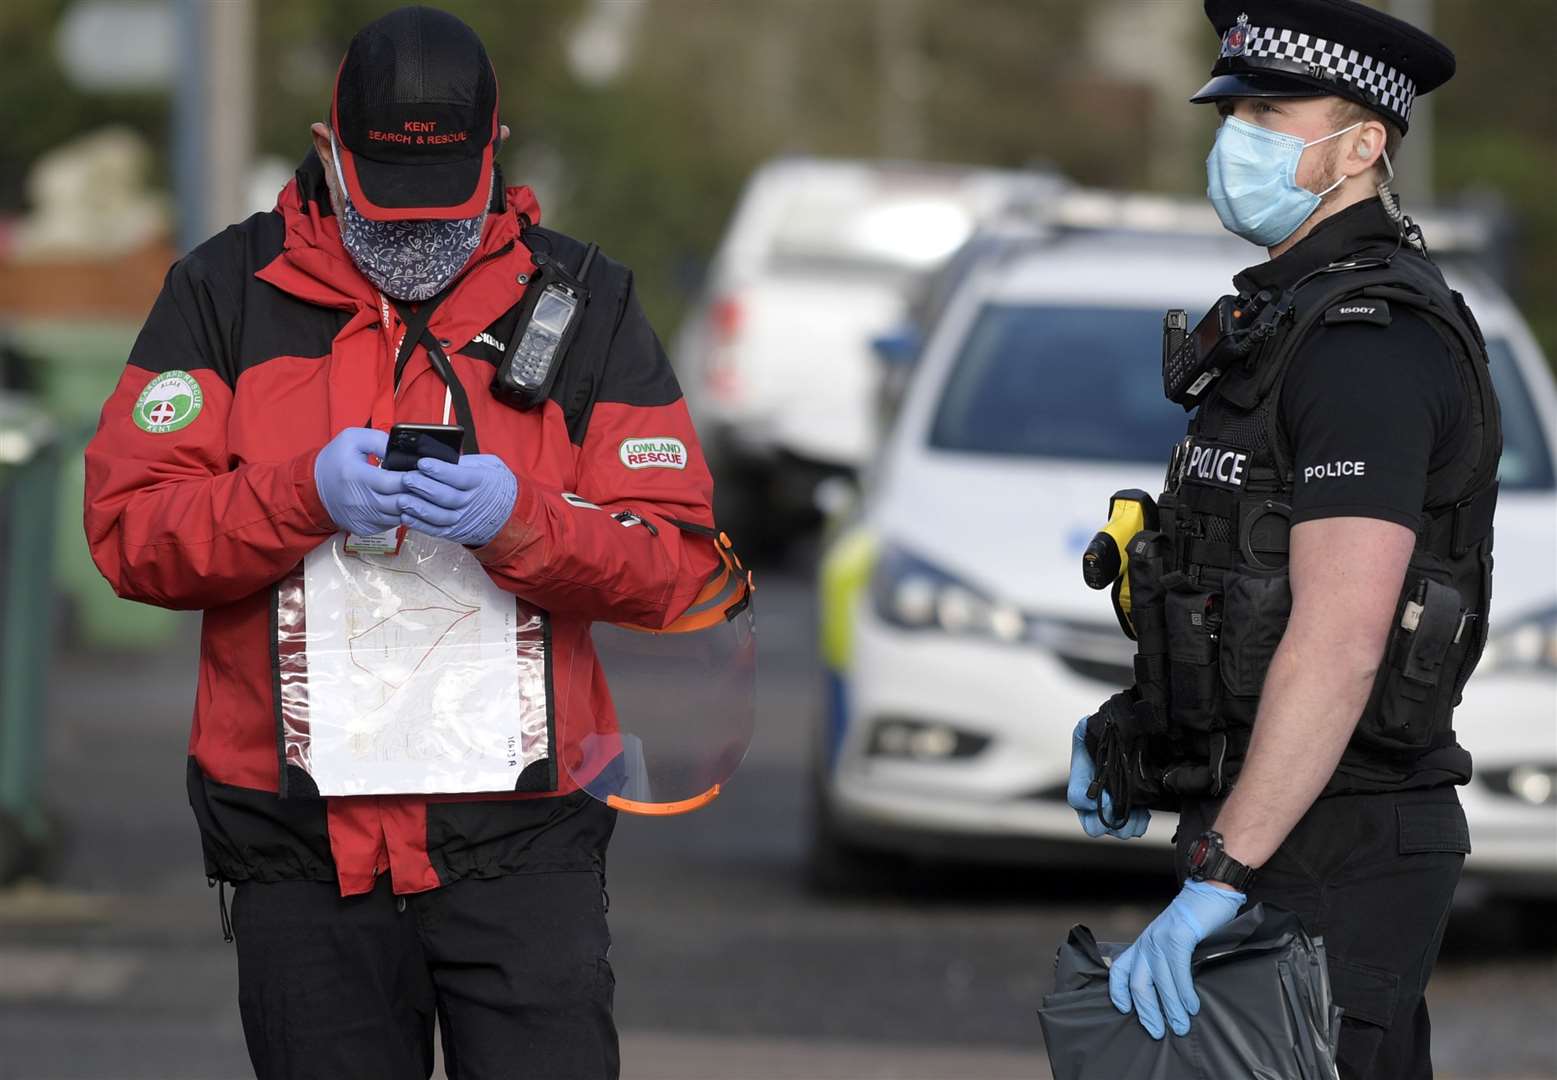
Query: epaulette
{"points": [[1358, 310]]}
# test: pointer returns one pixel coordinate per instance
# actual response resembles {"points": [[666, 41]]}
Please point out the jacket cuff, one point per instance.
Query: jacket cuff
{"points": [[518, 531], [307, 493]]}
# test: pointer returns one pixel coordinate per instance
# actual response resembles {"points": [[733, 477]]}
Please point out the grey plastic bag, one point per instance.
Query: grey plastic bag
{"points": [[1265, 1010]]}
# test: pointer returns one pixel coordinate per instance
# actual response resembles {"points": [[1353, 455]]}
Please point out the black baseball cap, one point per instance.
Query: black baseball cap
{"points": [[415, 117], [1314, 48]]}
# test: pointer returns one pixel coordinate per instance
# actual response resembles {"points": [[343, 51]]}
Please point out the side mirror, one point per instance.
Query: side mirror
{"points": [[898, 347]]}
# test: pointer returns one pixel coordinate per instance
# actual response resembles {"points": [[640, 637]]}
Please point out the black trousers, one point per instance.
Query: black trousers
{"points": [[1374, 876], [513, 969]]}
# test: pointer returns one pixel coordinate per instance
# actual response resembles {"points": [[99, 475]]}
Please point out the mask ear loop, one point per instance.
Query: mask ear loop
{"points": [[1327, 138], [1332, 187], [335, 159]]}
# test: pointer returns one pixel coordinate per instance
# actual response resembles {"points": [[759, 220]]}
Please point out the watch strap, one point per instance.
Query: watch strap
{"points": [[1224, 868], [1217, 865]]}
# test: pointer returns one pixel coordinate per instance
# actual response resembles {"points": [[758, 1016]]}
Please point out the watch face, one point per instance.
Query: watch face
{"points": [[1200, 852]]}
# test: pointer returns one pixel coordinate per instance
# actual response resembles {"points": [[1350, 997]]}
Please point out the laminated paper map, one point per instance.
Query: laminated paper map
{"points": [[409, 673]]}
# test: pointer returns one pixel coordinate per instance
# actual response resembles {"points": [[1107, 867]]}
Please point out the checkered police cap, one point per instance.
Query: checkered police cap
{"points": [[1379, 82], [1306, 48]]}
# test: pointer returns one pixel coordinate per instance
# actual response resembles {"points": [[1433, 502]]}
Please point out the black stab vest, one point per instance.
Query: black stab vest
{"points": [[1210, 594]]}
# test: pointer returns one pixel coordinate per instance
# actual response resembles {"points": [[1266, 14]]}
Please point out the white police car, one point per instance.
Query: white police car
{"points": [[959, 643]]}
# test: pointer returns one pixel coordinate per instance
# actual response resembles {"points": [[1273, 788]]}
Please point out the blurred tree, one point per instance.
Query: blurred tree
{"points": [[1497, 134], [649, 160], [40, 108], [301, 43]]}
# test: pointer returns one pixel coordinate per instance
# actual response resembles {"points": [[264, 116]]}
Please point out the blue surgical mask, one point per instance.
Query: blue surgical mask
{"points": [[1253, 181]]}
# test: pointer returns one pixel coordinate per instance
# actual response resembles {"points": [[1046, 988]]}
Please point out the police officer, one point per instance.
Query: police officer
{"points": [[1317, 592]]}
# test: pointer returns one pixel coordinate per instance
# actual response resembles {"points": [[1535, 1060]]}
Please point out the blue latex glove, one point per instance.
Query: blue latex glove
{"points": [[466, 503], [360, 497], [1081, 773], [1157, 965]]}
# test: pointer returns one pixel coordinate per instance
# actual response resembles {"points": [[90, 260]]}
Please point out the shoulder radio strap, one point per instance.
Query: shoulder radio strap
{"points": [[416, 329], [582, 369]]}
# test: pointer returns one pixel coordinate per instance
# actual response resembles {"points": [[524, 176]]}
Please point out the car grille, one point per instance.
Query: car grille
{"points": [[1115, 675], [1095, 651]]}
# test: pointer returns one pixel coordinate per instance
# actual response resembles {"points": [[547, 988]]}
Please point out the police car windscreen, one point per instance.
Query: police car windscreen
{"points": [[1526, 464], [1064, 382]]}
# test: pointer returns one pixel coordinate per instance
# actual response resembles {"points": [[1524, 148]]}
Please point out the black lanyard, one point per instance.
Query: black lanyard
{"points": [[416, 331]]}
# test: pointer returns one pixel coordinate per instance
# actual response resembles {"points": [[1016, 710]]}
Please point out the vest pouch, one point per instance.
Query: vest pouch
{"points": [[1122, 743], [1194, 620], [1148, 550], [1413, 695], [1476, 631], [1255, 609]]}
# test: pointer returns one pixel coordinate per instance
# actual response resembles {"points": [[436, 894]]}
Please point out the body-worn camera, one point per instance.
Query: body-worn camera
{"points": [[1193, 359]]}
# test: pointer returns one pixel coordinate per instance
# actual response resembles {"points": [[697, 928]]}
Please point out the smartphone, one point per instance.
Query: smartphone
{"points": [[409, 443]]}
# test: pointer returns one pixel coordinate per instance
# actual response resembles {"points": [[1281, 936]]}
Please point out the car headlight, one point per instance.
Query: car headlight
{"points": [[910, 593], [1534, 784], [1528, 645]]}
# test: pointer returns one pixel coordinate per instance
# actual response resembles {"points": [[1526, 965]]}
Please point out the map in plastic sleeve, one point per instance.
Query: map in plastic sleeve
{"points": [[410, 673]]}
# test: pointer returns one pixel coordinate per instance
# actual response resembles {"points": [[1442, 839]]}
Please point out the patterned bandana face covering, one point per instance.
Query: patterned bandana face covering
{"points": [[408, 260]]}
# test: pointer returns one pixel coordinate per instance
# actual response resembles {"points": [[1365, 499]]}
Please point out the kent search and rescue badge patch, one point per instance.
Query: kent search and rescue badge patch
{"points": [[660, 452], [170, 401]]}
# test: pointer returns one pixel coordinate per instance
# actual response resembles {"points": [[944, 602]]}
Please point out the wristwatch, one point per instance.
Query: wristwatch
{"points": [[1209, 862]]}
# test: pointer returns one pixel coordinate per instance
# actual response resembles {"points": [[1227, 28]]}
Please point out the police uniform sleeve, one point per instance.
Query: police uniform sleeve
{"points": [[1369, 409], [608, 550], [169, 519]]}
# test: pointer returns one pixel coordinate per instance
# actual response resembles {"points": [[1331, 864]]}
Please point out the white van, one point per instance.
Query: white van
{"points": [[775, 356]]}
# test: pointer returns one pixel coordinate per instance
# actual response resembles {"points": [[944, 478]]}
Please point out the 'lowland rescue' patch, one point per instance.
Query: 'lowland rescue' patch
{"points": [[661, 452], [170, 401]]}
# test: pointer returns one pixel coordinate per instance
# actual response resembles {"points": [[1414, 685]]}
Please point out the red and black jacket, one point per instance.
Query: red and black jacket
{"points": [[290, 344]]}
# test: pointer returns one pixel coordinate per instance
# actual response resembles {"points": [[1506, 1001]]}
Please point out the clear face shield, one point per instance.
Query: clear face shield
{"points": [[674, 708]]}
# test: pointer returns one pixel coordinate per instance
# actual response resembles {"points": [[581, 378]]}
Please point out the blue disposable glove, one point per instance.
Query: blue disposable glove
{"points": [[1157, 965], [360, 497], [1081, 774], [466, 503]]}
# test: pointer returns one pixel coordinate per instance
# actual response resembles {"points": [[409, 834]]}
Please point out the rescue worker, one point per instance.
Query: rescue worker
{"points": [[245, 431], [1317, 593]]}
